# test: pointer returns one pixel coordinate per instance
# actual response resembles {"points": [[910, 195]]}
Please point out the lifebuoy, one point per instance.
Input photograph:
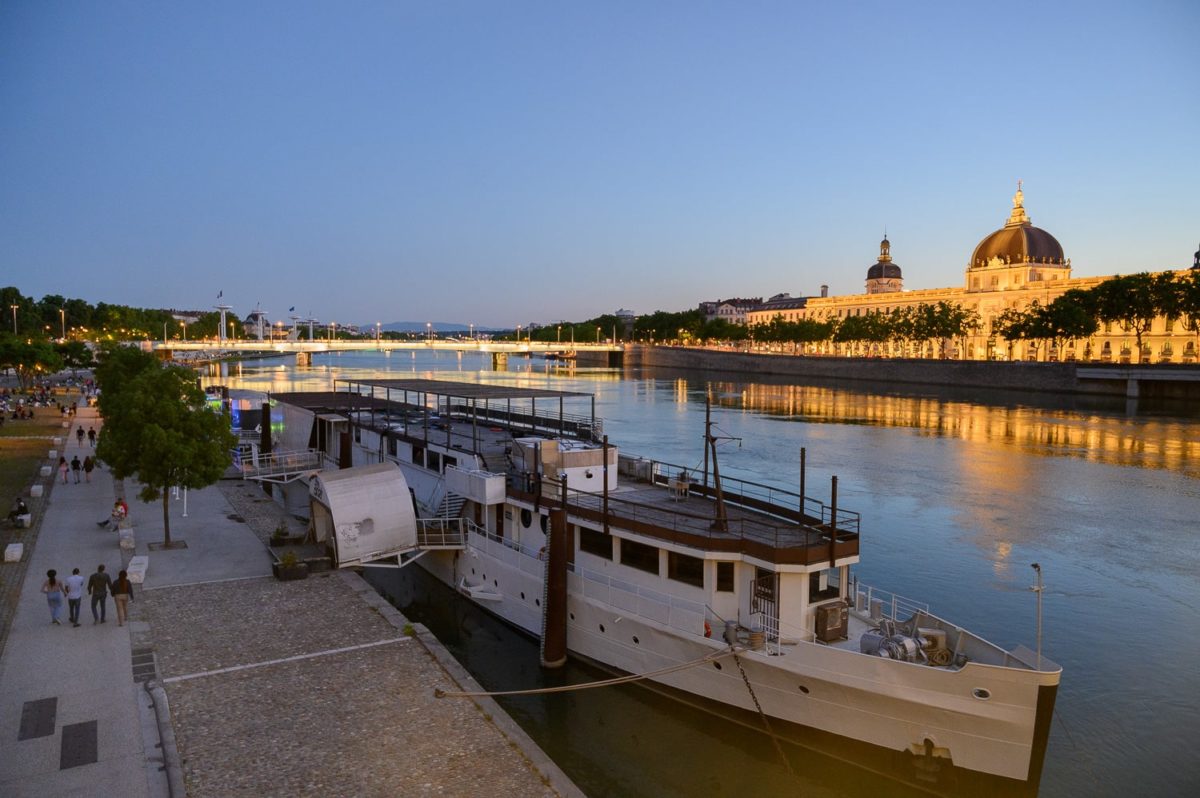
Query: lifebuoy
{"points": [[707, 630]]}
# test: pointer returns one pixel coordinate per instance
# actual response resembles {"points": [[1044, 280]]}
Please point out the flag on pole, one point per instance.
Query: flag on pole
{"points": [[221, 293], [292, 309]]}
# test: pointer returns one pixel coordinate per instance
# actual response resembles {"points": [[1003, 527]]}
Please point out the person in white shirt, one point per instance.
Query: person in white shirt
{"points": [[74, 595]]}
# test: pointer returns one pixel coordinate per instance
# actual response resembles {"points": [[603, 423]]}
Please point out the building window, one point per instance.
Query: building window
{"points": [[433, 461], [682, 568], [823, 585], [724, 577], [594, 542], [1170, 325], [640, 556]]}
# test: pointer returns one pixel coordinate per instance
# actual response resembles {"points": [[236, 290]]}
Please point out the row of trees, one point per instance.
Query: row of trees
{"points": [[158, 429], [55, 316], [33, 358]]}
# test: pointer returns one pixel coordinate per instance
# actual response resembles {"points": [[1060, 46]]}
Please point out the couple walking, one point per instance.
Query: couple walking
{"points": [[99, 585]]}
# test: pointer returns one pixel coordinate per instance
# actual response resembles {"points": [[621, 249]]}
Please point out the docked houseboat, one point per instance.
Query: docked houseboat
{"points": [[735, 596]]}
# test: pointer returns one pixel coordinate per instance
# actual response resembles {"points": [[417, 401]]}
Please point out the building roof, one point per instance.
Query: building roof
{"points": [[1018, 241], [884, 268]]}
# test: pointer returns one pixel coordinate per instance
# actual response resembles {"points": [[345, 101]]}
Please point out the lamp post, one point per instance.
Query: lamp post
{"points": [[184, 325], [62, 317], [377, 330], [518, 333], [471, 331], [279, 329], [164, 332], [14, 310], [597, 335], [429, 332], [232, 336], [559, 334]]}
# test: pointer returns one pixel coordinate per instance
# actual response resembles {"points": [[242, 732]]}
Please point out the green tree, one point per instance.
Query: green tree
{"points": [[75, 355], [1133, 301], [159, 430], [1188, 286], [29, 358]]}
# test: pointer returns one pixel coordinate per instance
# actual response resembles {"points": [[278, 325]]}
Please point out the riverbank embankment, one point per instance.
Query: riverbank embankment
{"points": [[1165, 381], [227, 681]]}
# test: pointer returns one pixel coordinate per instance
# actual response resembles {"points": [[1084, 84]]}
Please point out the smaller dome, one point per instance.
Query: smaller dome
{"points": [[884, 269]]}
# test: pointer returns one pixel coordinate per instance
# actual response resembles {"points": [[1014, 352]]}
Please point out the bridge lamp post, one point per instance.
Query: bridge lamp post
{"points": [[164, 332], [279, 329], [518, 333], [559, 334], [232, 335], [184, 325], [377, 329], [471, 331]]}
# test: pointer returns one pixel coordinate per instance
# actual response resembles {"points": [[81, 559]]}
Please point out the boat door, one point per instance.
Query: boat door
{"points": [[764, 601]]}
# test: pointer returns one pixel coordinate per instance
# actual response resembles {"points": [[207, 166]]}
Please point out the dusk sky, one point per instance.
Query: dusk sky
{"points": [[506, 162]]}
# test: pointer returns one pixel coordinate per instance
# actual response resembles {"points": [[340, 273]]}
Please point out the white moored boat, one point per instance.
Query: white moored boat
{"points": [[736, 593]]}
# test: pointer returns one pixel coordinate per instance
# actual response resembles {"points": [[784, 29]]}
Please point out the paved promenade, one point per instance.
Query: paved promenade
{"points": [[314, 687]]}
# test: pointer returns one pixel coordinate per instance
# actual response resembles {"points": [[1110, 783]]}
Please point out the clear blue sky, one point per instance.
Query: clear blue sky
{"points": [[507, 162]]}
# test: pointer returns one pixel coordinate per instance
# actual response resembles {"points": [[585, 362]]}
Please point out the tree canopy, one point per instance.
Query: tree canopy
{"points": [[158, 427]]}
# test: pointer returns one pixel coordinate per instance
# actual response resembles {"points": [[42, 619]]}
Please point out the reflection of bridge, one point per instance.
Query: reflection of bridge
{"points": [[304, 349]]}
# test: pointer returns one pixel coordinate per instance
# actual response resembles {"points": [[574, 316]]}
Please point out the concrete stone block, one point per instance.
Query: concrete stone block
{"points": [[35, 491], [46, 470], [13, 552], [23, 521], [136, 570], [53, 454], [125, 536]]}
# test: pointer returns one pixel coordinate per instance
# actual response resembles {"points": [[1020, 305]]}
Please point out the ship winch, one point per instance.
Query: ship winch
{"points": [[890, 641]]}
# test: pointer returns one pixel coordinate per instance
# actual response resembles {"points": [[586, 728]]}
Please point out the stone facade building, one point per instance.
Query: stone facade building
{"points": [[1013, 267]]}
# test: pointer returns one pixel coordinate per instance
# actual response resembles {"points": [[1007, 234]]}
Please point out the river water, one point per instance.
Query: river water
{"points": [[959, 493]]}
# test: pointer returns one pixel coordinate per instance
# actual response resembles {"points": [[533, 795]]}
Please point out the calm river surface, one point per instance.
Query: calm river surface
{"points": [[958, 495]]}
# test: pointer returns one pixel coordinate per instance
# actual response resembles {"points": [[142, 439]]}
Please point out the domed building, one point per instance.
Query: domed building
{"points": [[884, 277], [1016, 255], [1010, 269]]}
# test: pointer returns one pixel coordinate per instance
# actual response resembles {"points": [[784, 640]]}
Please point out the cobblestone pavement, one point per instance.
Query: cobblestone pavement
{"points": [[360, 722]]}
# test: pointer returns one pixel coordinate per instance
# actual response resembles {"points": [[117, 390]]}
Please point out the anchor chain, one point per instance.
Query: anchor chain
{"points": [[763, 715]]}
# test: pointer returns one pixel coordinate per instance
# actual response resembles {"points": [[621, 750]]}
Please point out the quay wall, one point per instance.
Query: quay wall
{"points": [[1059, 378]]}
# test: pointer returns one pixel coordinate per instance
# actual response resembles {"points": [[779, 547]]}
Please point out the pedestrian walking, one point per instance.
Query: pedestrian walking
{"points": [[62, 468], [98, 586], [92, 437], [74, 584], [53, 588], [79, 436], [76, 467], [122, 591], [89, 465]]}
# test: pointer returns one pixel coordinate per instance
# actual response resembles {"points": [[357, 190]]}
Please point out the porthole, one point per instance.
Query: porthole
{"points": [[636, 642], [526, 518], [537, 602], [804, 689], [545, 524], [572, 616], [982, 693], [601, 628], [494, 582], [717, 665], [522, 595], [472, 572]]}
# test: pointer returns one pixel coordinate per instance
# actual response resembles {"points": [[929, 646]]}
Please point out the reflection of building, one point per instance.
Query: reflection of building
{"points": [[1013, 267]]}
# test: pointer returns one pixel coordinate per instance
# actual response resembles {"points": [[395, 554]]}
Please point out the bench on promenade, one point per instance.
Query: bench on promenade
{"points": [[136, 570]]}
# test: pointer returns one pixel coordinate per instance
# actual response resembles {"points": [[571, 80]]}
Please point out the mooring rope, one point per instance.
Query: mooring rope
{"points": [[633, 677]]}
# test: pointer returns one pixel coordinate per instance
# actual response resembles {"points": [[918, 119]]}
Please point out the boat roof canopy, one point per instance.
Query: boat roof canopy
{"points": [[462, 390]]}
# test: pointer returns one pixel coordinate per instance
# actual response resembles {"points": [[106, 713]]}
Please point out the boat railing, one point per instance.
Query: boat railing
{"points": [[890, 605], [740, 492], [573, 424], [442, 533], [678, 613], [278, 464]]}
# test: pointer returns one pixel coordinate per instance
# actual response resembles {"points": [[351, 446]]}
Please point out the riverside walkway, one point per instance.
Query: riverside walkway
{"points": [[313, 687]]}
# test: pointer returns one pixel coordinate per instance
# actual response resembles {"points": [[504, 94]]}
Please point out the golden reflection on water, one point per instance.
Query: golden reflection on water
{"points": [[1135, 441]]}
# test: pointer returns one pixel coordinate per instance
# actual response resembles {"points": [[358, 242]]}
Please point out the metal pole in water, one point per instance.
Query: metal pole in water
{"points": [[1038, 589]]}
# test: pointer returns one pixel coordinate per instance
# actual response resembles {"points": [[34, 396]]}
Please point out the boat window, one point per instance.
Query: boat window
{"points": [[594, 542], [725, 577], [433, 461], [449, 462], [418, 455], [526, 518], [823, 585], [391, 446], [640, 556], [545, 521], [682, 568]]}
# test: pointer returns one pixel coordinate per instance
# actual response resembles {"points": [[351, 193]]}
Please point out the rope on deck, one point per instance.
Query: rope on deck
{"points": [[633, 677]]}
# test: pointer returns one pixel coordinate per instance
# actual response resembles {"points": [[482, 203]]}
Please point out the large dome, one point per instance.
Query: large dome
{"points": [[1018, 242]]}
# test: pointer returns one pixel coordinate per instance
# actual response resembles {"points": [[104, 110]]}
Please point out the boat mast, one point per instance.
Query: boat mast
{"points": [[720, 521]]}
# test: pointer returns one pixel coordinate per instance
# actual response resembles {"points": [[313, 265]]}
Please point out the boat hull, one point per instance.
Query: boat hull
{"points": [[920, 725]]}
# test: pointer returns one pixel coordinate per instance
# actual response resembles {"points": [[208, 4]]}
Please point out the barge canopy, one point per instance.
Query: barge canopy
{"points": [[365, 513]]}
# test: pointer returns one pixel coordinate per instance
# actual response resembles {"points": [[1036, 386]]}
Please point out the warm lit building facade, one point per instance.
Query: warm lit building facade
{"points": [[1015, 266]]}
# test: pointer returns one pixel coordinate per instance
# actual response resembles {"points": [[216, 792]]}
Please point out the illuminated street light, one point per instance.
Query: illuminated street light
{"points": [[597, 335], [14, 310], [377, 332], [62, 317], [429, 331]]}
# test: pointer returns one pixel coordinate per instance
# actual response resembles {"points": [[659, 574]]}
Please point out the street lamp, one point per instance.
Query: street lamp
{"points": [[429, 331], [470, 330], [62, 317], [597, 335], [14, 310], [184, 325], [518, 333], [559, 334], [377, 327]]}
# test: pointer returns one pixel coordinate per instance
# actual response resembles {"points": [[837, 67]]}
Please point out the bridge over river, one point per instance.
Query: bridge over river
{"points": [[598, 353]]}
